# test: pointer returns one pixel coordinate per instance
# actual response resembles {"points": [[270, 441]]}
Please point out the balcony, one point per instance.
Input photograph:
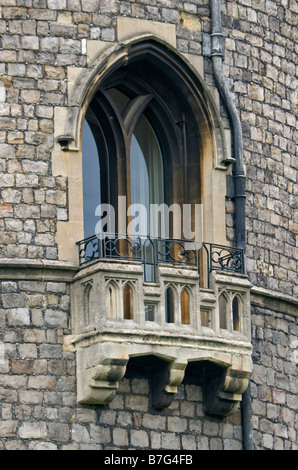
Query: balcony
{"points": [[179, 303]]}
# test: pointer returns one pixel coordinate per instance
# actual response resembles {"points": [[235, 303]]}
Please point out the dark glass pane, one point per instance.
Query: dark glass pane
{"points": [[223, 304], [146, 173], [91, 180], [149, 312], [236, 314], [170, 306]]}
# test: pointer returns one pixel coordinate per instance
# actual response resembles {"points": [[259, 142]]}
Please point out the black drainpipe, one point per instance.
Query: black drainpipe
{"points": [[239, 176]]}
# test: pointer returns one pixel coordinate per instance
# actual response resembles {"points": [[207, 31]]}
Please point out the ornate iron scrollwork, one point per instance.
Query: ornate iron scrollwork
{"points": [[226, 259], [151, 252]]}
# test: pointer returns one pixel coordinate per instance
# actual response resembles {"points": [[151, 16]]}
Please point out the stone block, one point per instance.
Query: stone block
{"points": [[27, 351], [139, 439], [22, 366], [31, 430], [177, 424], [8, 428], [137, 402], [50, 351], [169, 15], [43, 446], [154, 422], [59, 432], [100, 434], [42, 382], [120, 437], [56, 318], [19, 316], [170, 441], [30, 397], [210, 428]]}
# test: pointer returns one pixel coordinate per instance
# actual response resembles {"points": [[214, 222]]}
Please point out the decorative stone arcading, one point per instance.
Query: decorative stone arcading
{"points": [[105, 345]]}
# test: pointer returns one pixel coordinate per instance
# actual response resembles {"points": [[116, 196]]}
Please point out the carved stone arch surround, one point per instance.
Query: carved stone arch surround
{"points": [[88, 80]]}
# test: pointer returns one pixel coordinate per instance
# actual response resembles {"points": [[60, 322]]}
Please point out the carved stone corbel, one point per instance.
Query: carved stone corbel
{"points": [[164, 383], [223, 390], [100, 383]]}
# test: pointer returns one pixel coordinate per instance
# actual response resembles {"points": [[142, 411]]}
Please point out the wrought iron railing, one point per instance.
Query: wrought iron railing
{"points": [[151, 252]]}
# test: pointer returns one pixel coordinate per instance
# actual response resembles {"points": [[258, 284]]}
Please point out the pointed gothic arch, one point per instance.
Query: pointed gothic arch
{"points": [[162, 85]]}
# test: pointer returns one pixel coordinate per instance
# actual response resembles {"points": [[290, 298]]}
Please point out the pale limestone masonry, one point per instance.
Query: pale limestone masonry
{"points": [[43, 45]]}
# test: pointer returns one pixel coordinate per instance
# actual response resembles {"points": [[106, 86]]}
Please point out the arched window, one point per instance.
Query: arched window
{"points": [[185, 307], [223, 311], [127, 302], [170, 305], [236, 313], [87, 292], [112, 300]]}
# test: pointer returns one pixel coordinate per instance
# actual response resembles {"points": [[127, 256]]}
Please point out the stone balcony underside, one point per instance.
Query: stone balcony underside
{"points": [[111, 326]]}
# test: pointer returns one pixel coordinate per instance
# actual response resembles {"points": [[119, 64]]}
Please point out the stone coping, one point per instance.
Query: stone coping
{"points": [[37, 270], [230, 343], [277, 301]]}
